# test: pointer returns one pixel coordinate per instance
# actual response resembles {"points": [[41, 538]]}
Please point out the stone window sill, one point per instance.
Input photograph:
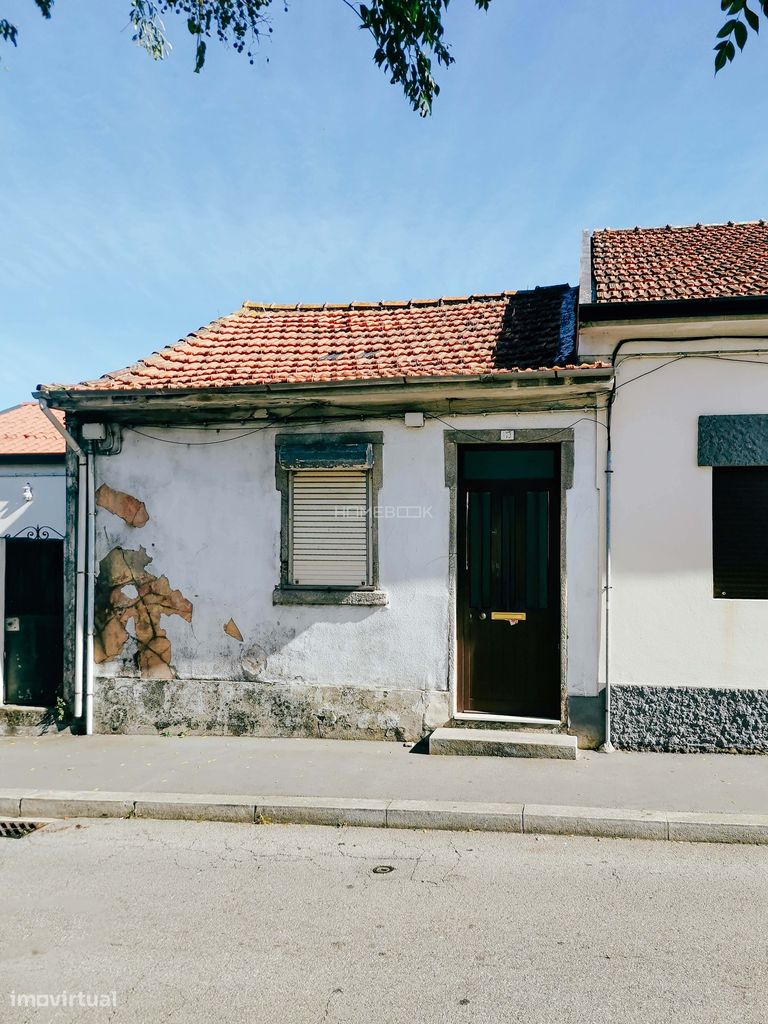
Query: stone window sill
{"points": [[320, 596]]}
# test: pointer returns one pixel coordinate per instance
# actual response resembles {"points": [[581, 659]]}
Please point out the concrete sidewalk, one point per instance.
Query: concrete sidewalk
{"points": [[348, 781]]}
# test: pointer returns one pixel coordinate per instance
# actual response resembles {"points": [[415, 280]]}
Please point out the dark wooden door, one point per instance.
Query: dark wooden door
{"points": [[508, 581], [34, 631]]}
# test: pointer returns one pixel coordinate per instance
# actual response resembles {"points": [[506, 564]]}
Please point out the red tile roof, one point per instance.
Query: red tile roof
{"points": [[24, 430], [699, 262], [363, 341]]}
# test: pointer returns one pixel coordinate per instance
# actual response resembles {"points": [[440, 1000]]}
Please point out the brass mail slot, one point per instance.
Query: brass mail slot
{"points": [[509, 616]]}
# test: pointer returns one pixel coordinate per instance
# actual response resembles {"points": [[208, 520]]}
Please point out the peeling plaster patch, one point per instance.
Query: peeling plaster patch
{"points": [[253, 662], [130, 509], [230, 628], [121, 572]]}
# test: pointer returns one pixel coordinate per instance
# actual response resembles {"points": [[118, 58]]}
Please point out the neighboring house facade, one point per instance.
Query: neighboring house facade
{"points": [[370, 520], [682, 315], [32, 529]]}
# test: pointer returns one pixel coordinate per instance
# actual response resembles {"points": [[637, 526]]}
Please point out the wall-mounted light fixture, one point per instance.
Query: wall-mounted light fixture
{"points": [[27, 492]]}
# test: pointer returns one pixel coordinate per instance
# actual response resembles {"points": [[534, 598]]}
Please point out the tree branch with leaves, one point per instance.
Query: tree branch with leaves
{"points": [[742, 20], [408, 35]]}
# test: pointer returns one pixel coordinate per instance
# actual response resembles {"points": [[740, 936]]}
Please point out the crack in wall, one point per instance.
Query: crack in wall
{"points": [[126, 592]]}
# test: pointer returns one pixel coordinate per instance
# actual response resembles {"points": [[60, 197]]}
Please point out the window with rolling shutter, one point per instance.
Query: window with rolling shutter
{"points": [[330, 527], [740, 532]]}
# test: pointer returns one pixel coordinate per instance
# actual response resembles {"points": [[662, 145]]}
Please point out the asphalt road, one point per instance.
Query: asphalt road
{"points": [[196, 922]]}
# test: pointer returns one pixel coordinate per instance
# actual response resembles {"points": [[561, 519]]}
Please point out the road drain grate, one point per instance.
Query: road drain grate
{"points": [[18, 829]]}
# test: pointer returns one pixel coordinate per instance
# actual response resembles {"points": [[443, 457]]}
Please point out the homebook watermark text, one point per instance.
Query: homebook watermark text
{"points": [[383, 512]]}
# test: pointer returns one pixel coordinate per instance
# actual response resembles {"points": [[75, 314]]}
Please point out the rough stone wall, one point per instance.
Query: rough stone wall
{"points": [[215, 707], [689, 719]]}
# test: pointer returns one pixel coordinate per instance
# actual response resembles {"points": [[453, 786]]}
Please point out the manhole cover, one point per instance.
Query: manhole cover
{"points": [[18, 829]]}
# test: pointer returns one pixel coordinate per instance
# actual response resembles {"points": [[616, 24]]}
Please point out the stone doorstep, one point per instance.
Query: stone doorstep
{"points": [[529, 819], [503, 743], [26, 720]]}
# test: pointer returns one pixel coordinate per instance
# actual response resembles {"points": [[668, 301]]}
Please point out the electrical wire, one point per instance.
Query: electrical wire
{"points": [[477, 437], [218, 440], [193, 444], [647, 373]]}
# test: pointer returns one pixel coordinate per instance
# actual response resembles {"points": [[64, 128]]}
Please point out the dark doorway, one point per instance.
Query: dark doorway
{"points": [[34, 628], [509, 581]]}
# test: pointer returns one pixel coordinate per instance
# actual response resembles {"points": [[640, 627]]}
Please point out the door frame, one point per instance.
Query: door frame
{"points": [[2, 621], [32, 534], [453, 440]]}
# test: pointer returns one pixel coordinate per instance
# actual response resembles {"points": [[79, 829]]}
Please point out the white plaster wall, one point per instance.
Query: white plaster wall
{"points": [[214, 530], [48, 505], [668, 629]]}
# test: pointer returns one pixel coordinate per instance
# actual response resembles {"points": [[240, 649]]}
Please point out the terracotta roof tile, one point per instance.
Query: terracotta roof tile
{"points": [[24, 430], [364, 341], [703, 261]]}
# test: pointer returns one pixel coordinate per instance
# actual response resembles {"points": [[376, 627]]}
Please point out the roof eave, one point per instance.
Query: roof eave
{"points": [[672, 309], [97, 399]]}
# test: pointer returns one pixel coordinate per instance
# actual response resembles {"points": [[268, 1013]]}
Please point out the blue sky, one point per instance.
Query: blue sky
{"points": [[139, 200]]}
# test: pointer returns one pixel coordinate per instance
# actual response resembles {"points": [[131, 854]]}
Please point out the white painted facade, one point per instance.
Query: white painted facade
{"points": [[214, 531], [668, 630], [46, 506]]}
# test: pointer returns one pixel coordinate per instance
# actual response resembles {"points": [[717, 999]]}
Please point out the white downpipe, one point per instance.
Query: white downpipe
{"points": [[80, 584], [91, 588], [80, 554], [607, 746]]}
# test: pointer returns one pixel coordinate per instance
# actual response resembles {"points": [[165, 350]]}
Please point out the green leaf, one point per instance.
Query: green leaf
{"points": [[8, 32], [199, 56], [727, 28], [752, 19], [740, 34]]}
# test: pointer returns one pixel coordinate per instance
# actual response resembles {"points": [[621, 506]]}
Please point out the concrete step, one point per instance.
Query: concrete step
{"points": [[503, 743], [21, 720]]}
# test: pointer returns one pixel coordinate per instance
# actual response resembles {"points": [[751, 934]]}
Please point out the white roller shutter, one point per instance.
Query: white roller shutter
{"points": [[330, 527]]}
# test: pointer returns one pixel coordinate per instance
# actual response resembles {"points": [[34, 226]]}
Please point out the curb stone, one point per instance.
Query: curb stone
{"points": [[717, 828], [308, 810], [76, 805], [184, 807], [601, 822], [529, 819], [10, 803], [456, 816]]}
